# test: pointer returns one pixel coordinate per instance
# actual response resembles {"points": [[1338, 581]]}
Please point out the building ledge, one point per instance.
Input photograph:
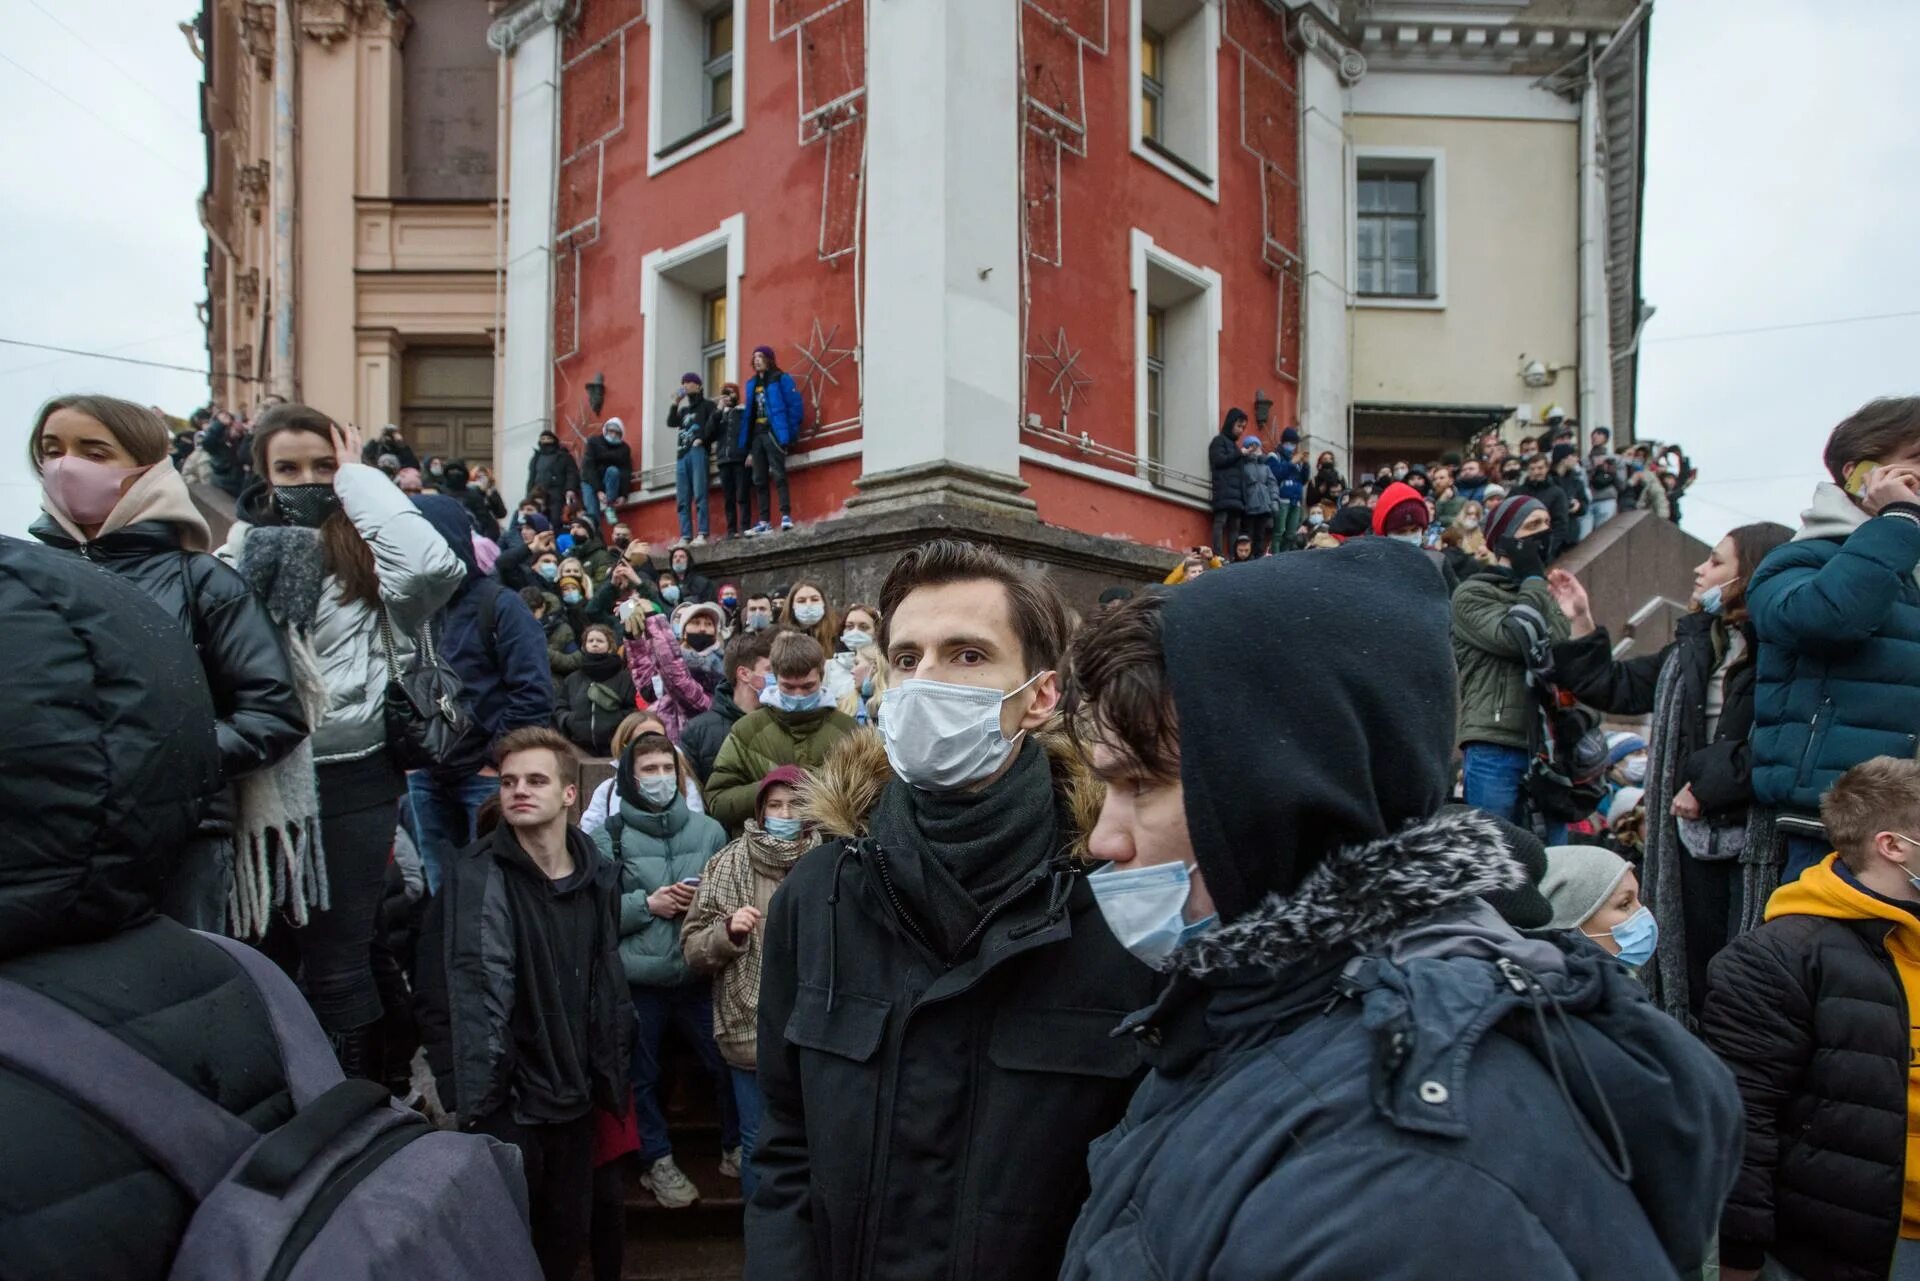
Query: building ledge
{"points": [[425, 235]]}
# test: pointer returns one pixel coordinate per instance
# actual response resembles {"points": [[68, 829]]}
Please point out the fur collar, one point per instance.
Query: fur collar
{"points": [[1363, 895], [840, 796]]}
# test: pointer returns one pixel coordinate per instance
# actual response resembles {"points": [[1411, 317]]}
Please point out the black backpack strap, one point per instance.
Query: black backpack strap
{"points": [[192, 1138]]}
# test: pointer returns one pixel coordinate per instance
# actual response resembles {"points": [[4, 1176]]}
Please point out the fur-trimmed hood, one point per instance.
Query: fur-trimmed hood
{"points": [[841, 794], [1363, 896]]}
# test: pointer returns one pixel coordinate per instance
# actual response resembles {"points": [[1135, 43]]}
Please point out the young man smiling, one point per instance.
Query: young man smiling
{"points": [[938, 987], [522, 1004], [1359, 1068]]}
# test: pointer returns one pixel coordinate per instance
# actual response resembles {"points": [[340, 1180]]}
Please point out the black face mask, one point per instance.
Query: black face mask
{"points": [[700, 642], [305, 505], [548, 446], [1513, 548]]}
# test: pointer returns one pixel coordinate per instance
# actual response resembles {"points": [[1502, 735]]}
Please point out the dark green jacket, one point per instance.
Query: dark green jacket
{"points": [[765, 740], [1495, 706]]}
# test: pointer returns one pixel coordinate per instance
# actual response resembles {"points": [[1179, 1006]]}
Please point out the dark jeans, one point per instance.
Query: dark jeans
{"points": [[746, 1097], [770, 464], [609, 1227], [336, 946], [1493, 776], [1226, 530], [736, 492], [690, 485], [598, 492], [1260, 529], [443, 817], [559, 1164], [689, 1009]]}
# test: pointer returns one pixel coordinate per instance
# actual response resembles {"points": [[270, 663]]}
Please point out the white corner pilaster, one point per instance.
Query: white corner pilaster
{"points": [[1327, 69]]}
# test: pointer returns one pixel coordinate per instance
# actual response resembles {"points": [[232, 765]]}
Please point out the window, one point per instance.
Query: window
{"points": [[719, 68], [696, 78], [1153, 55], [1177, 345], [1156, 383], [690, 313], [1176, 56], [1399, 240], [713, 354]]}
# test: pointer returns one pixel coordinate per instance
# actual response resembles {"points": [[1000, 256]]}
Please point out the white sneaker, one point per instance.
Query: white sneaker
{"points": [[678, 542], [730, 1163], [699, 541], [672, 1189], [786, 524]]}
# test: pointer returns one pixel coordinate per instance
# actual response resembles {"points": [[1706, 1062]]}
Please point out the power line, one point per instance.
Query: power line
{"points": [[127, 360], [146, 148], [48, 364], [1774, 329], [172, 108]]}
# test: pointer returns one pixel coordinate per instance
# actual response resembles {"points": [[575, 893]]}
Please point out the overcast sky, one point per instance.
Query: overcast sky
{"points": [[1781, 186]]}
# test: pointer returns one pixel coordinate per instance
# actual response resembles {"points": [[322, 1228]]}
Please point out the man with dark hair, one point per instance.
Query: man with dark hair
{"points": [[522, 1005], [484, 507], [1539, 485], [1359, 1068], [758, 613], [1810, 1011], [1572, 481], [747, 662], [1837, 612], [938, 989], [794, 725]]}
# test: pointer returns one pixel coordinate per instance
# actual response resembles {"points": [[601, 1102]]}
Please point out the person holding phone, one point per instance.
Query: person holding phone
{"points": [[661, 847], [1837, 616]]}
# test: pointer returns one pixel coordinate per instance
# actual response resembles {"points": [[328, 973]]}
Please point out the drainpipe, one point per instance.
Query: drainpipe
{"points": [[1596, 359], [283, 383]]}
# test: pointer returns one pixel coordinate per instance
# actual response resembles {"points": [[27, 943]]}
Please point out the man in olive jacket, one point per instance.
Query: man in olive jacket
{"points": [[938, 987], [794, 725], [1496, 707]]}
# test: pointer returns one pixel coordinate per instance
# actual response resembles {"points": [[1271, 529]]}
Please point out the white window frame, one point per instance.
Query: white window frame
{"points": [[1434, 161], [730, 236], [1147, 257], [663, 19], [1208, 162]]}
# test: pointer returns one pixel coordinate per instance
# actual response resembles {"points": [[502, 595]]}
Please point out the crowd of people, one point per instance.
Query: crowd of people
{"points": [[986, 924]]}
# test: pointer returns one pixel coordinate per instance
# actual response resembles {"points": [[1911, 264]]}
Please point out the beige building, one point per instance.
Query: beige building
{"points": [[355, 236], [1493, 216]]}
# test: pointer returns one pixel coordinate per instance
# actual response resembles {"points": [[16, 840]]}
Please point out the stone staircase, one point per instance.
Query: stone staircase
{"points": [[703, 1242]]}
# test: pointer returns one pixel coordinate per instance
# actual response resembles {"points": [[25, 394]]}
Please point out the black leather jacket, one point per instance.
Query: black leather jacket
{"points": [[240, 649]]}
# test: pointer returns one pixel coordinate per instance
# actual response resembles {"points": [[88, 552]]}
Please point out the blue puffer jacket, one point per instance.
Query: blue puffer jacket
{"points": [[1377, 1077], [784, 410], [1838, 673]]}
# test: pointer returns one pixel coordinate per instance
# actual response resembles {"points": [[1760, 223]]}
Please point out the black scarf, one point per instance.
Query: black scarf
{"points": [[953, 855]]}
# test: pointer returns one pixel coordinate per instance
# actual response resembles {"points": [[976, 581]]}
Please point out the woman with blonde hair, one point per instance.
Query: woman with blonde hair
{"points": [[352, 573], [110, 494], [859, 673]]}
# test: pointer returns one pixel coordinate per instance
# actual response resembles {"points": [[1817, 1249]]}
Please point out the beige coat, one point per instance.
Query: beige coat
{"points": [[745, 873]]}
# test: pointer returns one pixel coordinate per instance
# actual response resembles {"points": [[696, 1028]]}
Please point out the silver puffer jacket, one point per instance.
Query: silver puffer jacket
{"points": [[418, 574]]}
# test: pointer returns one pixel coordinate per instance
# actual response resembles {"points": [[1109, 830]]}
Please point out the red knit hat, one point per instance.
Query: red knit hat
{"points": [[781, 775], [1399, 494]]}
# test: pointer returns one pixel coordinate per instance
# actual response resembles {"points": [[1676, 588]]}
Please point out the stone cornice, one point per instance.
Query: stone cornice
{"points": [[513, 27], [1485, 46], [1312, 35]]}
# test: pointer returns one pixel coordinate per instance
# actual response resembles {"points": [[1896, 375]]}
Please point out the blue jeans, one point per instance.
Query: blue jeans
{"points": [[443, 817], [690, 486], [601, 491], [689, 1008], [1493, 775], [746, 1098]]}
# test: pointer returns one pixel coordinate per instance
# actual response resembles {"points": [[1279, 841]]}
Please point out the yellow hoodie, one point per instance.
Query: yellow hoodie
{"points": [[1822, 891]]}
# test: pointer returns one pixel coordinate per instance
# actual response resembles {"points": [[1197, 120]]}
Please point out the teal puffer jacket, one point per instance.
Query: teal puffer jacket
{"points": [[655, 850]]}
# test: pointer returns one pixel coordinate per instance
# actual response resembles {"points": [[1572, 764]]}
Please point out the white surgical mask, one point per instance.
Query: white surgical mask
{"points": [[941, 737], [1713, 599], [1634, 769], [1145, 906], [809, 614], [1411, 537], [658, 790], [853, 638]]}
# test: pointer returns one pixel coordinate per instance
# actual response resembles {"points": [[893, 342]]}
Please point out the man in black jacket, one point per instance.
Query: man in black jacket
{"points": [[1229, 480], [748, 660], [522, 1005], [693, 422], [484, 506], [1359, 1068], [1811, 1012], [1572, 480], [554, 474], [1538, 483], [107, 748], [607, 471], [938, 988]]}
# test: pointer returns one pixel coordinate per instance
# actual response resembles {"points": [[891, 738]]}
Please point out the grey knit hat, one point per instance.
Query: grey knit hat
{"points": [[1579, 880]]}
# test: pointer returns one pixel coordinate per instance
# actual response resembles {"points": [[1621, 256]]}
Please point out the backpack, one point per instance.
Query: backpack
{"points": [[353, 1188], [1565, 779]]}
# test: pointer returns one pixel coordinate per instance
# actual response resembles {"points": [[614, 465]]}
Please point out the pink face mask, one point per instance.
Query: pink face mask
{"points": [[84, 490]]}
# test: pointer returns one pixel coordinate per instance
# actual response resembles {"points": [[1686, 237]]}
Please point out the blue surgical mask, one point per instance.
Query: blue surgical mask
{"points": [[572, 598], [779, 699], [1636, 936], [782, 829], [670, 593], [548, 571], [809, 614], [853, 638], [658, 790], [1145, 906], [1714, 598]]}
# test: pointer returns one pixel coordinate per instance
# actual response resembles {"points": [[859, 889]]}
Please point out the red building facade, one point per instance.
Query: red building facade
{"points": [[714, 195]]}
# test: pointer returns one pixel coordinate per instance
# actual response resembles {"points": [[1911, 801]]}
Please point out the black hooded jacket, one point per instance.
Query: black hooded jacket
{"points": [[1363, 1071], [485, 507], [107, 745], [695, 587], [1229, 473], [240, 649]]}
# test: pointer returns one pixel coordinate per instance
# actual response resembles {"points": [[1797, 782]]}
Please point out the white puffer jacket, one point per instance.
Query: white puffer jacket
{"points": [[418, 574]]}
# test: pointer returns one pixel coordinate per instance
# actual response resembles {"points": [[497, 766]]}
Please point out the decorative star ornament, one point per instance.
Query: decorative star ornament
{"points": [[818, 357], [1060, 361]]}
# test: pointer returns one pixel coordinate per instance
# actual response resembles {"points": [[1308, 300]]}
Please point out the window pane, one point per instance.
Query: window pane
{"points": [[1370, 243], [1149, 115], [1403, 240], [1403, 194], [1150, 46], [720, 96], [1372, 277], [717, 318], [1372, 196], [716, 371], [1154, 322], [720, 32], [1403, 279]]}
